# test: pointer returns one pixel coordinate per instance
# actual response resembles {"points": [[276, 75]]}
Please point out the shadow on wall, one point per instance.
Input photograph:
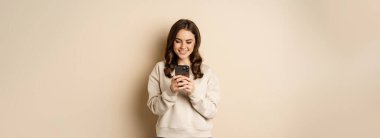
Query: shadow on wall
{"points": [[143, 114]]}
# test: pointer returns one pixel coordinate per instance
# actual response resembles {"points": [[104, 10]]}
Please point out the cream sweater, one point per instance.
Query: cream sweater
{"points": [[181, 115]]}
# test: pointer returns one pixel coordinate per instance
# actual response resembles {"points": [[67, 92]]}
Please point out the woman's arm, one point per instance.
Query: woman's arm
{"points": [[159, 101], [207, 106]]}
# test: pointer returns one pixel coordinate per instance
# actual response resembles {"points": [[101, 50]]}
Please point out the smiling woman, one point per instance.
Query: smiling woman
{"points": [[183, 44], [185, 105]]}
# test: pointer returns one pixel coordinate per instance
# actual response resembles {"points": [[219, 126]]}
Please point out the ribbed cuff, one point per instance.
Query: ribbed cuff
{"points": [[169, 95], [194, 97]]}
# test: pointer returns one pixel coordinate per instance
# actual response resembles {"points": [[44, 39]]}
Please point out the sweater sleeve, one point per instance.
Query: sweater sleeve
{"points": [[207, 105], [159, 101]]}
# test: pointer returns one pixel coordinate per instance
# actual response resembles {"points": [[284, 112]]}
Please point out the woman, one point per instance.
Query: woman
{"points": [[185, 105]]}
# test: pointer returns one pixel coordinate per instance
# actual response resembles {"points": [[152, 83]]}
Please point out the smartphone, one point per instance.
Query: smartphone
{"points": [[182, 70]]}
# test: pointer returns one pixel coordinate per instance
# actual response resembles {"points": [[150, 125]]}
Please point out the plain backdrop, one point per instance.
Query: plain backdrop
{"points": [[288, 68]]}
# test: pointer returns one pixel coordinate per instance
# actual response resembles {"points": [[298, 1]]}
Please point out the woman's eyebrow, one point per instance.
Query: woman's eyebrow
{"points": [[185, 40]]}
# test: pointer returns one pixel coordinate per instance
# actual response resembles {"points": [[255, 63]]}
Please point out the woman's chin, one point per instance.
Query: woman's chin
{"points": [[183, 57]]}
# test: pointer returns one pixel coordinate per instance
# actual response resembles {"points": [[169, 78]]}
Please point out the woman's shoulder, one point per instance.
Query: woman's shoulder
{"points": [[158, 67], [160, 64], [208, 72], [206, 69]]}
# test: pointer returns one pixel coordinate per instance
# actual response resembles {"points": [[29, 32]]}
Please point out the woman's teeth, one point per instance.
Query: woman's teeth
{"points": [[183, 51]]}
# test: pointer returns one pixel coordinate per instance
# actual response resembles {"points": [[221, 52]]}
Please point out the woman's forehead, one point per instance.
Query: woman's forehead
{"points": [[184, 34]]}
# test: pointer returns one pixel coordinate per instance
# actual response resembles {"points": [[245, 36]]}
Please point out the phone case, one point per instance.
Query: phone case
{"points": [[182, 70]]}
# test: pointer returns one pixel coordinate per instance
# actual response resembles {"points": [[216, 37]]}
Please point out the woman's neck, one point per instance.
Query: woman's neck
{"points": [[184, 62]]}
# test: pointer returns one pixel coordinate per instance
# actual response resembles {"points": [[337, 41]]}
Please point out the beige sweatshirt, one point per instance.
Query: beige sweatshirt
{"points": [[181, 115]]}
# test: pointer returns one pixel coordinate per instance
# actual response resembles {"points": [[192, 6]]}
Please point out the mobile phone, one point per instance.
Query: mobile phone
{"points": [[182, 70]]}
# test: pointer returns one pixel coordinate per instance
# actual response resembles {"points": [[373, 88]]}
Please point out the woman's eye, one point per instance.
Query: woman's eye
{"points": [[188, 42], [177, 41]]}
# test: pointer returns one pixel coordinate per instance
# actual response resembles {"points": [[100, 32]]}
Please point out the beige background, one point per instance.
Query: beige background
{"points": [[288, 68]]}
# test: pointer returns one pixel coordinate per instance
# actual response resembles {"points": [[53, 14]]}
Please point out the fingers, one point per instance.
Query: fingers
{"points": [[186, 86], [182, 83], [181, 78], [188, 79], [176, 77], [187, 89], [174, 84]]}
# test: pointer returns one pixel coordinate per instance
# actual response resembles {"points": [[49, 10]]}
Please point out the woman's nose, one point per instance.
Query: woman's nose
{"points": [[183, 46]]}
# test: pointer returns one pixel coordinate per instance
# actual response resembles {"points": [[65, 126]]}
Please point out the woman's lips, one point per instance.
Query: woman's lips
{"points": [[182, 52]]}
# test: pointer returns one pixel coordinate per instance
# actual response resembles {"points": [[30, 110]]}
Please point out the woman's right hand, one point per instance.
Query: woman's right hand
{"points": [[177, 83]]}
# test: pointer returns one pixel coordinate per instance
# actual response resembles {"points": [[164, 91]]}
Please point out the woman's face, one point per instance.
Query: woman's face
{"points": [[184, 44]]}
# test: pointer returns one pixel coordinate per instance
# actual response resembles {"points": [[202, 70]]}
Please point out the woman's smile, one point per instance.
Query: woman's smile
{"points": [[183, 51]]}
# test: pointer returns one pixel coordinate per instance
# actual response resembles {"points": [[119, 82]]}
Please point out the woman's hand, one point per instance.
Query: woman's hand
{"points": [[182, 84], [174, 85]]}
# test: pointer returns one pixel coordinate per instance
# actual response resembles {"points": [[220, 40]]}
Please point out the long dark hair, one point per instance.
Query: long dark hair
{"points": [[171, 59]]}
